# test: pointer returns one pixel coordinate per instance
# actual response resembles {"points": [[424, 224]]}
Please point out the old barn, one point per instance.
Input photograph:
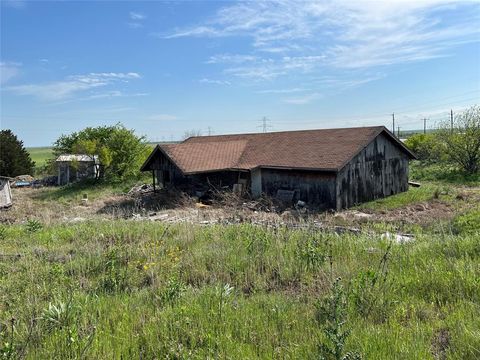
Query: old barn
{"points": [[333, 168]]}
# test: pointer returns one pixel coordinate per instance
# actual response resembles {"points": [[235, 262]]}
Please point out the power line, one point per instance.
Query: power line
{"points": [[402, 111], [265, 125]]}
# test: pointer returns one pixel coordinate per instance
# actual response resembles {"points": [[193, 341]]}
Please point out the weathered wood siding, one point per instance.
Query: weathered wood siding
{"points": [[160, 163], [313, 187], [256, 182], [380, 170]]}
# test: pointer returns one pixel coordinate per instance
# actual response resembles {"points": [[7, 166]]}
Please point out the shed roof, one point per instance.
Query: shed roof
{"points": [[325, 149], [193, 157], [77, 157]]}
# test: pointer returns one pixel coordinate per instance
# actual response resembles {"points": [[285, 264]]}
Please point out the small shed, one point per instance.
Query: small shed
{"points": [[74, 167], [5, 192]]}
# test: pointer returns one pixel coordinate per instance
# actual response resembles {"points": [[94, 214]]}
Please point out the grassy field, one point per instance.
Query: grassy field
{"points": [[104, 288], [40, 155], [143, 290]]}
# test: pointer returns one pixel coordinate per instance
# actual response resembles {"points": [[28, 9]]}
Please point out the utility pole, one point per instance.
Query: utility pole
{"points": [[209, 131], [451, 120], [398, 132], [265, 124], [393, 126], [424, 125]]}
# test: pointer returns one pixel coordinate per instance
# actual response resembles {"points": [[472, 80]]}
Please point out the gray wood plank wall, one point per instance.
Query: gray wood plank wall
{"points": [[380, 170]]}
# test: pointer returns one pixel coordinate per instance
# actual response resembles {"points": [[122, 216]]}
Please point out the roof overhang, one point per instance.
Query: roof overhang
{"points": [[382, 130], [299, 168], [399, 143], [157, 149]]}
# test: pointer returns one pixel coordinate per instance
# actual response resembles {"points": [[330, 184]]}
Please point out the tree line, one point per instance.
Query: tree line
{"points": [[119, 150], [457, 145]]}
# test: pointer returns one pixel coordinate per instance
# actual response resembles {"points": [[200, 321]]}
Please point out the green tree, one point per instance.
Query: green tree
{"points": [[426, 147], [94, 148], [127, 152], [462, 141], [14, 158], [67, 144], [119, 150]]}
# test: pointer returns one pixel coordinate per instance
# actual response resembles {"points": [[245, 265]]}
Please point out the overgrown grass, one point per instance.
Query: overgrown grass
{"points": [[427, 191], [94, 189], [128, 289], [445, 173], [468, 222]]}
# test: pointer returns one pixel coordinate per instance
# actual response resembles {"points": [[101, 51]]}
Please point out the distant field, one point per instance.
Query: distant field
{"points": [[40, 154]]}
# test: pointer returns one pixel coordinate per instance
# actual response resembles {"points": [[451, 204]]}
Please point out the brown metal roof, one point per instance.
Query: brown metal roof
{"points": [[326, 149]]}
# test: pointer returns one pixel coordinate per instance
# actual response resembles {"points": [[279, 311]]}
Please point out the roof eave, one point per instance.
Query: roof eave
{"points": [[334, 170], [214, 170]]}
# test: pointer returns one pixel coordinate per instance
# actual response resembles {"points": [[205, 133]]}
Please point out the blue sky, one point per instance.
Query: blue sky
{"points": [[164, 68]]}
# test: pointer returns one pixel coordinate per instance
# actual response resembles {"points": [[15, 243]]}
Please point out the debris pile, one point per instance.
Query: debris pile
{"points": [[140, 189], [22, 181]]}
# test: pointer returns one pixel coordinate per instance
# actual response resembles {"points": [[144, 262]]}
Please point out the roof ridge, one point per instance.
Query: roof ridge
{"points": [[281, 132]]}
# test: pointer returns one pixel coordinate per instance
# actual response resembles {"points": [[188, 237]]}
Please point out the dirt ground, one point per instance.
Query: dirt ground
{"points": [[37, 204]]}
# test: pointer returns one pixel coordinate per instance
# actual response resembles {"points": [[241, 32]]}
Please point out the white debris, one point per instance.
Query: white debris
{"points": [[399, 238]]}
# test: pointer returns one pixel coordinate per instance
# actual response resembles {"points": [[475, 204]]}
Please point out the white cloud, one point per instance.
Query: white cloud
{"points": [[282, 91], [310, 36], [136, 16], [230, 58], [197, 31], [302, 100], [162, 117], [8, 70], [72, 85], [346, 81], [114, 93], [270, 68], [213, 81]]}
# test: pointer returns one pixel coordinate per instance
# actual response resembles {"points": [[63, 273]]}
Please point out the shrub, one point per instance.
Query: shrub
{"points": [[426, 147], [33, 226], [462, 142]]}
